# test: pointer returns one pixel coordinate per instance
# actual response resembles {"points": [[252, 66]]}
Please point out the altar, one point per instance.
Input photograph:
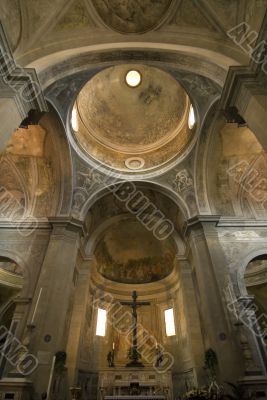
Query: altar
{"points": [[120, 383]]}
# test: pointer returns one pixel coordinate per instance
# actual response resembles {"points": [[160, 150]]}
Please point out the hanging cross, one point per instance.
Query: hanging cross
{"points": [[134, 304]]}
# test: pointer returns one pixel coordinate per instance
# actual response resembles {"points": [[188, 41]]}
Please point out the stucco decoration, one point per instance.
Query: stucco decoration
{"points": [[129, 253], [132, 129], [27, 142], [31, 171], [132, 16]]}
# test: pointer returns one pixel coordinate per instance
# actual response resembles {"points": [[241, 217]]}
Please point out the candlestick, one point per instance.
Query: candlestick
{"points": [[36, 306], [51, 377]]}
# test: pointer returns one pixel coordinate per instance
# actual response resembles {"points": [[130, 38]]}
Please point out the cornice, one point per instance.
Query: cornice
{"points": [[197, 222], [16, 80], [241, 222], [68, 223], [248, 78]]}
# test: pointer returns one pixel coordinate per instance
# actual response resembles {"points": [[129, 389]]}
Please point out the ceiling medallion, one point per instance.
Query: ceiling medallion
{"points": [[133, 78], [131, 16], [135, 163]]}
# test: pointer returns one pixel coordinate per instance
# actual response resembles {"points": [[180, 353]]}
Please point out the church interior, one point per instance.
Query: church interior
{"points": [[133, 199]]}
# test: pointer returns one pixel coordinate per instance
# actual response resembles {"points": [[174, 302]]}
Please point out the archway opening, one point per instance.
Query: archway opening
{"points": [[11, 283], [256, 284]]}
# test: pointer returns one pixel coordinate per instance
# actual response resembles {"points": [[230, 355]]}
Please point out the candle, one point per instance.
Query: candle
{"points": [[113, 345], [36, 306], [51, 377]]}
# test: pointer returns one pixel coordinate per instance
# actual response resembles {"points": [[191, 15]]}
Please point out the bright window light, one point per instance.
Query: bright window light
{"points": [[169, 322], [74, 119], [191, 118], [101, 322], [133, 78]]}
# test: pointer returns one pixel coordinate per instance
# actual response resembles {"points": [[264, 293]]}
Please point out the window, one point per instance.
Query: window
{"points": [[74, 119], [133, 78], [169, 322], [191, 118], [101, 322]]}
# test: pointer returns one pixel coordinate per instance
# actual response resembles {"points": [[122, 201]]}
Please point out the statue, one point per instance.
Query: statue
{"points": [[159, 357], [110, 359]]}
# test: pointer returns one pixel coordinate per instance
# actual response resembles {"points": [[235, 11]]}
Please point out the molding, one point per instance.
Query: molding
{"points": [[197, 222], [22, 300], [241, 222], [68, 223], [246, 80], [21, 80], [28, 223]]}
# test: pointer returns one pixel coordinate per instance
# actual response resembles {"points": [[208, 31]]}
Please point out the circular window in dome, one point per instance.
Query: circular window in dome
{"points": [[133, 78], [132, 131]]}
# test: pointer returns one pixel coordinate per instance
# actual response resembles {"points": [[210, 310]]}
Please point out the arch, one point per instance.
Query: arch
{"points": [[173, 196], [209, 63], [61, 157], [16, 258], [240, 272], [92, 243], [207, 130]]}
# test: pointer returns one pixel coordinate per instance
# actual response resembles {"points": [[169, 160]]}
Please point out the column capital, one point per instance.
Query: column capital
{"points": [[198, 221], [67, 223]]}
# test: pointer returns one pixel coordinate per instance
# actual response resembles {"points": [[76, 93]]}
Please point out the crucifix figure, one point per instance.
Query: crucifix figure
{"points": [[134, 350]]}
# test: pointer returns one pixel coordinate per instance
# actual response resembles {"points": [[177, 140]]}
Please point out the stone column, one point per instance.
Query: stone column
{"points": [[52, 297], [253, 108], [245, 90], [79, 316], [216, 333], [192, 318]]}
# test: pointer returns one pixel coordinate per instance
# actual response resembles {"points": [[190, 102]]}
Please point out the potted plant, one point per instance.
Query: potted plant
{"points": [[133, 354]]}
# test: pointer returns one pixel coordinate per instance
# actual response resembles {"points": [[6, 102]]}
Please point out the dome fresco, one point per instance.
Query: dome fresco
{"points": [[131, 128]]}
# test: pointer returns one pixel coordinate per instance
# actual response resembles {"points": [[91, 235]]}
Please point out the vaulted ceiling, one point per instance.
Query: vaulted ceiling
{"points": [[39, 27]]}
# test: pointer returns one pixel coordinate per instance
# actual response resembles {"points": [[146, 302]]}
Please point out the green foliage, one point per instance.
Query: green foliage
{"points": [[133, 354], [61, 357], [211, 362]]}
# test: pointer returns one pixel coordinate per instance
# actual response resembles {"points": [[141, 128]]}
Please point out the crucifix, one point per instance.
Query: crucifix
{"points": [[134, 304]]}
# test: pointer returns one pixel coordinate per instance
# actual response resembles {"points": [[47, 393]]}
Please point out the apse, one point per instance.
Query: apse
{"points": [[129, 253]]}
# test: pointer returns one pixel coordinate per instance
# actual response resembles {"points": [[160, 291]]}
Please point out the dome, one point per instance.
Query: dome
{"points": [[132, 117]]}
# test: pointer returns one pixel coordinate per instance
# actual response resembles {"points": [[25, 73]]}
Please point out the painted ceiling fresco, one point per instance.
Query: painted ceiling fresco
{"points": [[129, 253], [132, 16]]}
